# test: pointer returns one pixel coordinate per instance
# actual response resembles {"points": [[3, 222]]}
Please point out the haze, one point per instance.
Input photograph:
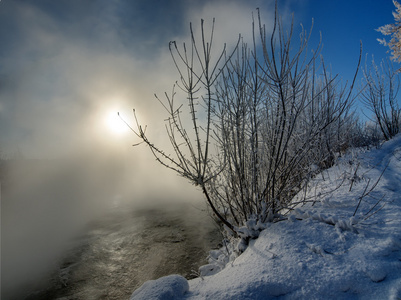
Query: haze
{"points": [[66, 69]]}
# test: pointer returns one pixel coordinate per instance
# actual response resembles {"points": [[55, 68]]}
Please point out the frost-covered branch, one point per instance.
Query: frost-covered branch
{"points": [[393, 30], [253, 122]]}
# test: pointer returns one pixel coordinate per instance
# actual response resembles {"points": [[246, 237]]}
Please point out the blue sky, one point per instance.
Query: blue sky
{"points": [[343, 24], [66, 65]]}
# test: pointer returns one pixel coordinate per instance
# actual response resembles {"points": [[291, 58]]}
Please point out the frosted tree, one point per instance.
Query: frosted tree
{"points": [[380, 97], [276, 117], [246, 126], [393, 30]]}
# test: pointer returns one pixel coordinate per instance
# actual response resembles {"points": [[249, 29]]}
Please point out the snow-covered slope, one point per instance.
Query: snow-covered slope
{"points": [[321, 251]]}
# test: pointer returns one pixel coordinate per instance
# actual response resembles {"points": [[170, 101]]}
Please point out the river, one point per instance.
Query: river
{"points": [[124, 248]]}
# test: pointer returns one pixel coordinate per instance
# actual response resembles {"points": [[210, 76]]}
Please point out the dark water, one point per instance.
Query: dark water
{"points": [[129, 246]]}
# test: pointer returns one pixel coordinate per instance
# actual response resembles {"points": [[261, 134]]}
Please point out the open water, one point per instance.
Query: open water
{"points": [[126, 247]]}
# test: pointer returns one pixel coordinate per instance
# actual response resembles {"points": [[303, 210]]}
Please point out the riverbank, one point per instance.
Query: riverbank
{"points": [[343, 243]]}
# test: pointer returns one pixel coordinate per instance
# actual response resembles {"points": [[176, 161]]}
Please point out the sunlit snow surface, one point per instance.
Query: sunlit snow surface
{"points": [[321, 251]]}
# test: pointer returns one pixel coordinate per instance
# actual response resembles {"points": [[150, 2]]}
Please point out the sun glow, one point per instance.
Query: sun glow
{"points": [[115, 123]]}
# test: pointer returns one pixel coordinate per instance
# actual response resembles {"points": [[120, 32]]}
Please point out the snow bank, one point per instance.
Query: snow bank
{"points": [[327, 249], [165, 288]]}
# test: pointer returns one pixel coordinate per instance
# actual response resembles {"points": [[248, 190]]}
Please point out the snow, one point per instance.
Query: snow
{"points": [[165, 288], [344, 243]]}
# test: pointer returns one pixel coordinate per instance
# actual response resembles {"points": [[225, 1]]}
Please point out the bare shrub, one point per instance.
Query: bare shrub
{"points": [[380, 97], [259, 118], [276, 118]]}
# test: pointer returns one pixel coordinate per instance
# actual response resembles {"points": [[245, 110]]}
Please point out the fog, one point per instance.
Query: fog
{"points": [[46, 203], [66, 68]]}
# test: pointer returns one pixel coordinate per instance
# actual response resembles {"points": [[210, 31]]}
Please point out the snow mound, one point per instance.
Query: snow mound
{"points": [[165, 288]]}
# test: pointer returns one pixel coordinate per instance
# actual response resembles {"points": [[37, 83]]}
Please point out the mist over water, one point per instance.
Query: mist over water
{"points": [[46, 204]]}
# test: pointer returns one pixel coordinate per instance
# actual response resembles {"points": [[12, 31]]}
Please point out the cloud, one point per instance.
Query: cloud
{"points": [[232, 17], [64, 64], [55, 80]]}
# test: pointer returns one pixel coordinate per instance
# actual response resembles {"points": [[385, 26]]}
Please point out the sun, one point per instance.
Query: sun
{"points": [[115, 124]]}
